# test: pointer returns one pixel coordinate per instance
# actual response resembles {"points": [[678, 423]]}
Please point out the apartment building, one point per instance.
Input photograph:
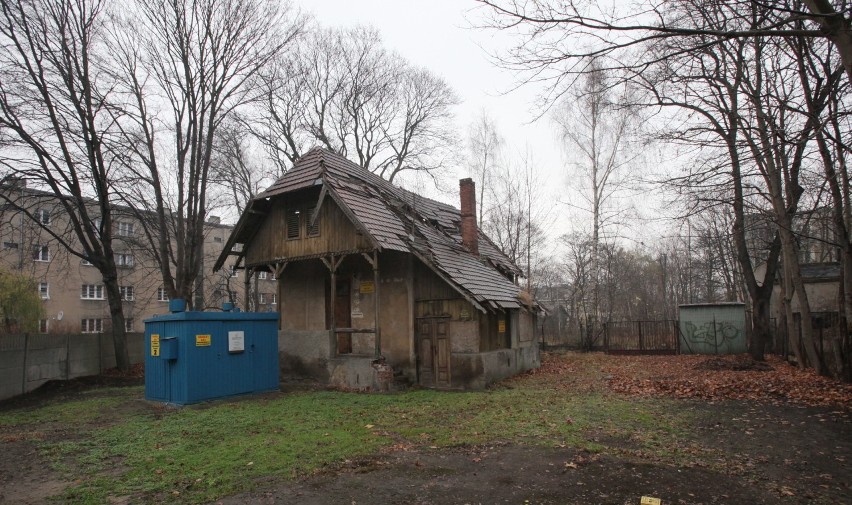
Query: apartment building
{"points": [[72, 289]]}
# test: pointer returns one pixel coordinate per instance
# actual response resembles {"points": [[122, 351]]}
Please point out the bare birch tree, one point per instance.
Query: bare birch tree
{"points": [[484, 152]]}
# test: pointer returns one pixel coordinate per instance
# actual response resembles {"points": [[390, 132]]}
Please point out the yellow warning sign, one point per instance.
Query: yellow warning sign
{"points": [[202, 340], [648, 500], [367, 287], [501, 326], [155, 345]]}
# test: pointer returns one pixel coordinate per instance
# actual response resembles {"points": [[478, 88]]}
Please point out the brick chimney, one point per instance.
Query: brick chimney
{"points": [[470, 234]]}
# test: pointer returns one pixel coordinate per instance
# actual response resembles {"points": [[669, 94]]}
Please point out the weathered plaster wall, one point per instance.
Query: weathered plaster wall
{"points": [[305, 353]]}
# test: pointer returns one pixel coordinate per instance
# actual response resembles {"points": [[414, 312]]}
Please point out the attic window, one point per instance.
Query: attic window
{"points": [[293, 227]]}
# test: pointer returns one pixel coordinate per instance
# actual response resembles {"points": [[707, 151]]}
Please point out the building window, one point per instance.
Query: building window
{"points": [[92, 292], [126, 293], [125, 228], [161, 295], [232, 296], [274, 299], [41, 253], [43, 325], [44, 290], [262, 298], [293, 223], [217, 239], [92, 325], [261, 275], [128, 324], [43, 216], [272, 276], [10, 245], [124, 260], [234, 272]]}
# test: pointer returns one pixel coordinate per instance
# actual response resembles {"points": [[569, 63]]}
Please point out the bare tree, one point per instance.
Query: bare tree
{"points": [[343, 90], [484, 152], [56, 130], [517, 216], [557, 39], [186, 66], [597, 124]]}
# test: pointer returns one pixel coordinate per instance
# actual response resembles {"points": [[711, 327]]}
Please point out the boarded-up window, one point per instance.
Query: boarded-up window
{"points": [[293, 222]]}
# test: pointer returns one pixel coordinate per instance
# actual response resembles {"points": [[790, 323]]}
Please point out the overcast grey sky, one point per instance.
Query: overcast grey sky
{"points": [[436, 34]]}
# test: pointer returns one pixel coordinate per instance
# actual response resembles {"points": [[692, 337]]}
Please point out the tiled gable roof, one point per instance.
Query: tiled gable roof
{"points": [[400, 220]]}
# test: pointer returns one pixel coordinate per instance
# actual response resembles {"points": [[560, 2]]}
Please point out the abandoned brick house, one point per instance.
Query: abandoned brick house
{"points": [[367, 269]]}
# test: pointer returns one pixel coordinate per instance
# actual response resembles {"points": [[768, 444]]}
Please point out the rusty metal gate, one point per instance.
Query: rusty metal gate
{"points": [[641, 337]]}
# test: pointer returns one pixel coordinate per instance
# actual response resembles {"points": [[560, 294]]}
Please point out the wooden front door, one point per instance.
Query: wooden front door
{"points": [[433, 350], [343, 316]]}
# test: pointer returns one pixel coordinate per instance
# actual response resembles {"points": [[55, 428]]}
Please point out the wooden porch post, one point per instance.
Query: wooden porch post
{"points": [[376, 304], [247, 286]]}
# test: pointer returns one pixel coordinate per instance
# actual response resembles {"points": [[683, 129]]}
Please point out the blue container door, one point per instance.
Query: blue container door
{"points": [[265, 349], [156, 368], [239, 353]]}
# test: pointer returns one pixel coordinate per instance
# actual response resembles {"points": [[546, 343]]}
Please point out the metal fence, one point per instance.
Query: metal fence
{"points": [[641, 337]]}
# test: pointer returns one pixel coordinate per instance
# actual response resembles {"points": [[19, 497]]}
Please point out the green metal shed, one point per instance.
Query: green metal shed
{"points": [[713, 328]]}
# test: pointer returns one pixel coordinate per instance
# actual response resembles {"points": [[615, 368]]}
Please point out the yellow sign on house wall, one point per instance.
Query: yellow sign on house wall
{"points": [[155, 345], [501, 326], [202, 340], [367, 287]]}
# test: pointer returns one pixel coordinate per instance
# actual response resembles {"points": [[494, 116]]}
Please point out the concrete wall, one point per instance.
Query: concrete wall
{"points": [[478, 370], [28, 361]]}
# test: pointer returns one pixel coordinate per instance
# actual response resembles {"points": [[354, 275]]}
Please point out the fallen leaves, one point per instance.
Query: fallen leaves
{"points": [[708, 378], [725, 377]]}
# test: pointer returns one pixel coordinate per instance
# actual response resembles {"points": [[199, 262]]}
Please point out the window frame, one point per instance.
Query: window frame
{"points": [[97, 325], [125, 229], [124, 291], [162, 295], [124, 260], [45, 293], [92, 292], [41, 253], [42, 217]]}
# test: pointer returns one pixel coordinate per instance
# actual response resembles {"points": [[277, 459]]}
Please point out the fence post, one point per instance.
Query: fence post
{"points": [[24, 367], [641, 339], [67, 357]]}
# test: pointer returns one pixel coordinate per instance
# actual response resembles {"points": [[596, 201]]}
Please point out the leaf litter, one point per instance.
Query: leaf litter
{"points": [[710, 378]]}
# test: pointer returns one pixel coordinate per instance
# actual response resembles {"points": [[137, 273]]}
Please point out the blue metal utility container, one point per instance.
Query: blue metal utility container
{"points": [[196, 356]]}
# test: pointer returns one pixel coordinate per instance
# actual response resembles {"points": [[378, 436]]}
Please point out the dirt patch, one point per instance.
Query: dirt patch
{"points": [[516, 474], [24, 476]]}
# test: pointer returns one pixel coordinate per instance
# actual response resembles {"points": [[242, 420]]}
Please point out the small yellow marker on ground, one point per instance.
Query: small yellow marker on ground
{"points": [[648, 500]]}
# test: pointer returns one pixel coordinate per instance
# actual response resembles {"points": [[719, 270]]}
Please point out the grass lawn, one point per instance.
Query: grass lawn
{"points": [[111, 443]]}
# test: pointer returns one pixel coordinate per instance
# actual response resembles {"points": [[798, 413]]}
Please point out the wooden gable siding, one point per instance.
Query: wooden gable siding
{"points": [[428, 286], [336, 231]]}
